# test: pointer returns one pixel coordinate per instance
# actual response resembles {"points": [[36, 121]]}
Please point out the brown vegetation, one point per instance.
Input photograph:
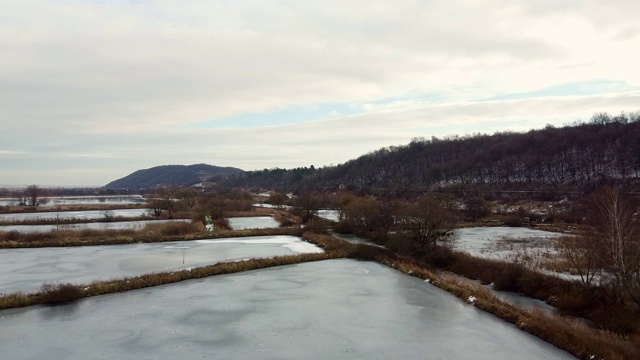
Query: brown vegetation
{"points": [[171, 231], [56, 221]]}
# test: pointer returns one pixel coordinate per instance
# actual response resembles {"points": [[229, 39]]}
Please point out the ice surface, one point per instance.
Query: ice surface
{"points": [[491, 242], [292, 243], [75, 200], [28, 269], [329, 214], [86, 214], [337, 309], [253, 222], [115, 225]]}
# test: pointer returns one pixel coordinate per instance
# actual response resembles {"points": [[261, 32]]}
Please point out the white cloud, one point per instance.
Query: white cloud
{"points": [[122, 78]]}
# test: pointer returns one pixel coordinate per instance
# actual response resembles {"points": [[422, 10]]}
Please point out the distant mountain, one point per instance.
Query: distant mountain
{"points": [[175, 175]]}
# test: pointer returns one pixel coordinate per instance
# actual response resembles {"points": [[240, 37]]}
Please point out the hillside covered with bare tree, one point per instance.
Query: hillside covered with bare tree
{"points": [[605, 150]]}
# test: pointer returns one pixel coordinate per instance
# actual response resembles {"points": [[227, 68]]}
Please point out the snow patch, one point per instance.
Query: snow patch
{"points": [[290, 242]]}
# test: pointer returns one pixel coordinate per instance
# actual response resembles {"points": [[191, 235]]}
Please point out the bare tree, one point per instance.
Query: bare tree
{"points": [[108, 215], [363, 213], [581, 253], [618, 243], [427, 222], [33, 196], [477, 208], [307, 206], [277, 199], [164, 200], [187, 197], [340, 201]]}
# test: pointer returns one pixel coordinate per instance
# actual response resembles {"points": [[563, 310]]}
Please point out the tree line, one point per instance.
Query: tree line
{"points": [[604, 150]]}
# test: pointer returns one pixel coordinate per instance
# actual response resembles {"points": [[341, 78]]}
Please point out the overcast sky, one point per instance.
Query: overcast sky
{"points": [[91, 91]]}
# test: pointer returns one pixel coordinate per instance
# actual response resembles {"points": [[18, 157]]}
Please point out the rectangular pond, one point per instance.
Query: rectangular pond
{"points": [[78, 200], [114, 225], [85, 214], [253, 222], [501, 242], [28, 269], [337, 309]]}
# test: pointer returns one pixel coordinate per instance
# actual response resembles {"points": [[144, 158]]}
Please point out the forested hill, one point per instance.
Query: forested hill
{"points": [[607, 149], [178, 175]]}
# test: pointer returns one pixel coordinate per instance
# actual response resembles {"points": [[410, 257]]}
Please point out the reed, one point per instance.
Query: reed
{"points": [[177, 231]]}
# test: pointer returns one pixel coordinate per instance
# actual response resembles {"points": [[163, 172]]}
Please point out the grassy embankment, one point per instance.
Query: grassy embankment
{"points": [[70, 207], [66, 221], [171, 231]]}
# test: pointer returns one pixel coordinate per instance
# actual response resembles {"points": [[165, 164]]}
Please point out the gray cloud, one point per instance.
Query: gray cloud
{"points": [[114, 84]]}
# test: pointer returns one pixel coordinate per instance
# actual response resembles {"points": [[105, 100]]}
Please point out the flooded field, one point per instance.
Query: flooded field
{"points": [[338, 309], [503, 242], [28, 269]]}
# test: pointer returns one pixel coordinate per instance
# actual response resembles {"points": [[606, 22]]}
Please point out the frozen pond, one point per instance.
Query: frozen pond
{"points": [[77, 200], [253, 222], [28, 269], [86, 214], [116, 225], [329, 215], [502, 242], [338, 309]]}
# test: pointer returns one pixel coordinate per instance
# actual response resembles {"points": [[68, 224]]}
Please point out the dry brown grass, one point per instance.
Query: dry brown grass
{"points": [[59, 294], [174, 231]]}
